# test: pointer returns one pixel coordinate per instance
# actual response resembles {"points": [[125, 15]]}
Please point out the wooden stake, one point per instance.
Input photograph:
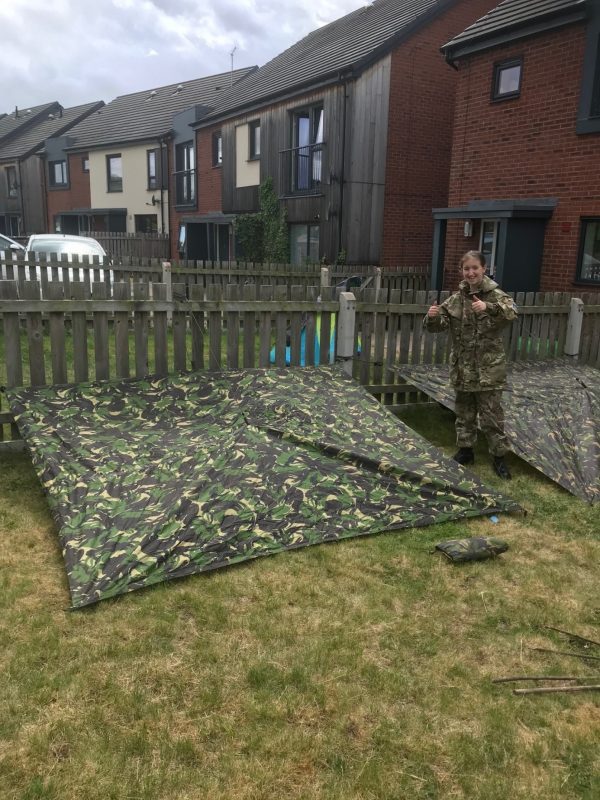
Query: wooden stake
{"points": [[564, 653], [572, 635], [546, 689], [545, 678]]}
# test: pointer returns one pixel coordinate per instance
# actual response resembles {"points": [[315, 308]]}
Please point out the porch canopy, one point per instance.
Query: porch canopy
{"points": [[520, 238], [552, 410], [150, 480]]}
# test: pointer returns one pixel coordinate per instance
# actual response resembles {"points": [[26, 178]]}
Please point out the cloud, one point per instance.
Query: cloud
{"points": [[78, 52]]}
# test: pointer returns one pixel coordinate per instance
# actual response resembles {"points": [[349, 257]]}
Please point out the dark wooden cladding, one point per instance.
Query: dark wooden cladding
{"points": [[349, 207]]}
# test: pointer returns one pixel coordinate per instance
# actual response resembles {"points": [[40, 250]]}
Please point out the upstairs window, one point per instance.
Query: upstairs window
{"points": [[185, 174], [588, 268], [217, 149], [507, 79], [307, 153], [12, 187], [152, 168], [85, 164], [114, 173], [58, 173], [254, 136]]}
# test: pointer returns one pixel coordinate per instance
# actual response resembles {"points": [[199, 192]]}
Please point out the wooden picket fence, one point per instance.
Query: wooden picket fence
{"points": [[59, 333], [133, 245], [203, 273]]}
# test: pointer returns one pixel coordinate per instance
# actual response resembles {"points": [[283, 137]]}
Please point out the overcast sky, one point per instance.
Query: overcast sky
{"points": [[78, 51]]}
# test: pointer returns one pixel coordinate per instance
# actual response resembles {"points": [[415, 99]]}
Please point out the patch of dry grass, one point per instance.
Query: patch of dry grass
{"points": [[356, 671]]}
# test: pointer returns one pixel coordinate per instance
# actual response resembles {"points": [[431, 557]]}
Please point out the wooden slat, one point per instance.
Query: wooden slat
{"points": [[12, 336], [56, 329], [161, 362], [179, 328], [281, 323], [249, 327], [140, 330], [121, 291], [35, 336], [233, 328], [215, 328], [197, 329], [100, 323], [297, 293]]}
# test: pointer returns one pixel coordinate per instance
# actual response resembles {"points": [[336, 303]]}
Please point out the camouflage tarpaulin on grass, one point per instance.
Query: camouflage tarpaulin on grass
{"points": [[552, 410], [150, 480]]}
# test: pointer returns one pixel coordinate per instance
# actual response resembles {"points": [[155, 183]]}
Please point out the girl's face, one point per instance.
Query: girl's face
{"points": [[473, 271]]}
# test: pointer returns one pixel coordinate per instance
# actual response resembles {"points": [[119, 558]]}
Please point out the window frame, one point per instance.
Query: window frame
{"points": [[153, 181], [579, 278], [11, 193], [185, 174], [217, 149], [52, 182], [113, 184], [499, 67], [253, 139], [491, 263], [303, 178]]}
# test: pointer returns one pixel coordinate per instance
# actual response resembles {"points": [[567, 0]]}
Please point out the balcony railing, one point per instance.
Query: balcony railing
{"points": [[302, 170]]}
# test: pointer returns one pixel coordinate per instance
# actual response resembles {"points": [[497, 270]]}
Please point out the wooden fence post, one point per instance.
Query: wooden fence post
{"points": [[324, 277], [345, 332], [574, 326], [377, 284]]}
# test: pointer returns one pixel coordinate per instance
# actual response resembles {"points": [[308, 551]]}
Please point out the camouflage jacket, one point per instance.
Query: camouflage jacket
{"points": [[477, 358]]}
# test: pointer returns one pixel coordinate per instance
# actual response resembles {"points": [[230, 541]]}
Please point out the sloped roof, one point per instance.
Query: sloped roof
{"points": [[349, 43], [516, 18], [53, 124], [10, 124], [149, 114]]}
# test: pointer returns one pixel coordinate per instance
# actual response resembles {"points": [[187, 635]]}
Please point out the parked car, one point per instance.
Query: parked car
{"points": [[9, 249], [7, 244], [48, 244]]}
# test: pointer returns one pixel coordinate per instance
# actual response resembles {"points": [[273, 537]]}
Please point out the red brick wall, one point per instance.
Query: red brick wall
{"points": [[527, 147], [420, 136], [76, 196], [208, 184]]}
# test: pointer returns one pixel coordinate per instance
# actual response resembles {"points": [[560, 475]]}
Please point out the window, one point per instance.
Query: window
{"points": [[85, 164], [146, 223], [12, 187], [152, 166], [307, 152], [304, 244], [254, 131], [58, 173], [588, 268], [588, 114], [507, 79], [487, 243], [185, 174], [217, 149], [114, 173]]}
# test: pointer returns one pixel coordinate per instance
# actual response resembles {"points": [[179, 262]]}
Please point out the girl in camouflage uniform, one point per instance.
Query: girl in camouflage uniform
{"points": [[476, 315]]}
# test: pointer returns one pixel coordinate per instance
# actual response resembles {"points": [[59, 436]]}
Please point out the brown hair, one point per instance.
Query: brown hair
{"points": [[474, 254]]}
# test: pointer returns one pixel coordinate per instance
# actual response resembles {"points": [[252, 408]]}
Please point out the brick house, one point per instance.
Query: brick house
{"points": [[22, 168], [117, 163], [526, 149], [354, 125]]}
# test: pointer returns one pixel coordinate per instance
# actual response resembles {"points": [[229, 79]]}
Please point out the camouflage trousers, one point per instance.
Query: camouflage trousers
{"points": [[488, 407]]}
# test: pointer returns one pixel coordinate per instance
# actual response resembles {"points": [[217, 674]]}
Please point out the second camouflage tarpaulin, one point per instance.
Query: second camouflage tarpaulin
{"points": [[150, 480], [552, 410]]}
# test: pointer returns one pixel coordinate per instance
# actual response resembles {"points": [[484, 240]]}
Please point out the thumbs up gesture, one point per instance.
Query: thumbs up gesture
{"points": [[433, 310], [478, 305]]}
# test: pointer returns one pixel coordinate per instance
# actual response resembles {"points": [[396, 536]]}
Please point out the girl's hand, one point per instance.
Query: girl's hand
{"points": [[478, 305], [434, 310]]}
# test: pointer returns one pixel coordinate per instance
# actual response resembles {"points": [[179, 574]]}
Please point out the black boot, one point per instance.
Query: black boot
{"points": [[464, 455], [500, 467]]}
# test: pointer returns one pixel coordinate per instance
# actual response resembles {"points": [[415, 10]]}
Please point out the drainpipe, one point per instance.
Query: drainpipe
{"points": [[21, 195]]}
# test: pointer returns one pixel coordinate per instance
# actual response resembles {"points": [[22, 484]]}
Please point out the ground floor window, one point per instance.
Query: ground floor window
{"points": [[10, 225], [146, 223], [205, 241], [588, 268], [304, 244], [488, 241]]}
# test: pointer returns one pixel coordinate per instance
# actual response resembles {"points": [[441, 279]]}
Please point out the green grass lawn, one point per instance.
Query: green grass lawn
{"points": [[357, 670]]}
